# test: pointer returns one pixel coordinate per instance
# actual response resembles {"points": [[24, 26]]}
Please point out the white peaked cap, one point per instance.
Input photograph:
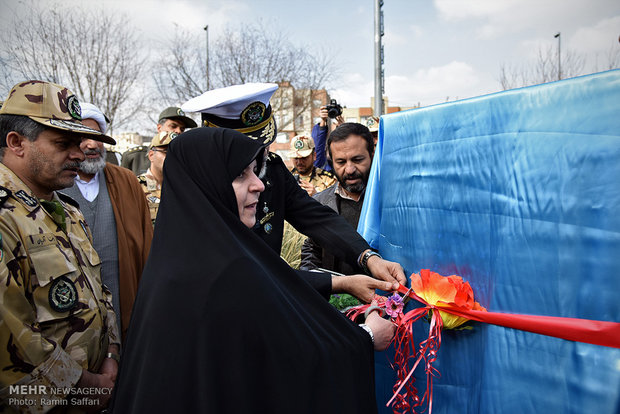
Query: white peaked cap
{"points": [[229, 102]]}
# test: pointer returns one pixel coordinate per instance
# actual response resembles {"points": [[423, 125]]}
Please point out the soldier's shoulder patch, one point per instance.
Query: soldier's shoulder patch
{"points": [[26, 198], [5, 193], [68, 200]]}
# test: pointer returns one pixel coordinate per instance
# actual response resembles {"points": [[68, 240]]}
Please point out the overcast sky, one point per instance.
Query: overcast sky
{"points": [[434, 49]]}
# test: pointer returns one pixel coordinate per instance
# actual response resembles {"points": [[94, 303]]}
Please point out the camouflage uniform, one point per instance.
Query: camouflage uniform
{"points": [[150, 186], [57, 317], [319, 178], [152, 191]]}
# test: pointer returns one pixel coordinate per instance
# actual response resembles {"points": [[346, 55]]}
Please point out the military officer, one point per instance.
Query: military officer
{"points": [[153, 177], [58, 330], [246, 108], [312, 179], [171, 119]]}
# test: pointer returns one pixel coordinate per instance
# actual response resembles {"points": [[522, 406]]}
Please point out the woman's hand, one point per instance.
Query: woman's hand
{"points": [[382, 329], [361, 286]]}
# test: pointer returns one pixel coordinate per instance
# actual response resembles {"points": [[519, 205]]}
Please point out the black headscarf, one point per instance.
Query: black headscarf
{"points": [[221, 324]]}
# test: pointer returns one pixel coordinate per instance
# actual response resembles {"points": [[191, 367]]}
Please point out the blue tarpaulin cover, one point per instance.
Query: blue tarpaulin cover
{"points": [[519, 193]]}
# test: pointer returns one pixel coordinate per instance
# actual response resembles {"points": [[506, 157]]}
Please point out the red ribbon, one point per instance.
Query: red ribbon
{"points": [[406, 398], [572, 329]]}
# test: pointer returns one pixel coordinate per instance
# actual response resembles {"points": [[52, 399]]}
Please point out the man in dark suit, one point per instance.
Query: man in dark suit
{"points": [[350, 147]]}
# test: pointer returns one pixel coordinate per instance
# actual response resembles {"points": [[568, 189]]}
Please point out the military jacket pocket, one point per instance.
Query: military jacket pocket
{"points": [[89, 252], [48, 262], [56, 291]]}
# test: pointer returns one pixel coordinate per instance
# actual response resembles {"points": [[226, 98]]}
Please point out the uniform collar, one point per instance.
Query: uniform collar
{"points": [[312, 174], [21, 192]]}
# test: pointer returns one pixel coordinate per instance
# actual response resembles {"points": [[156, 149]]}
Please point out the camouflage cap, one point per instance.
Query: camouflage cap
{"points": [[301, 146], [174, 112], [51, 105], [163, 139], [373, 124]]}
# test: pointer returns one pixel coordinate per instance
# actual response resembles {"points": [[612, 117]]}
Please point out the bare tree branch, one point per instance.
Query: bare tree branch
{"points": [[252, 53], [545, 68], [91, 51]]}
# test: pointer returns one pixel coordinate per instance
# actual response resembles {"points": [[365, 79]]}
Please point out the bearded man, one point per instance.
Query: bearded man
{"points": [[351, 148], [117, 213]]}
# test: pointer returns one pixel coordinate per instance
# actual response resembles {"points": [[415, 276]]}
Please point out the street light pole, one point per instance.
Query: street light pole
{"points": [[206, 28], [378, 110], [558, 36]]}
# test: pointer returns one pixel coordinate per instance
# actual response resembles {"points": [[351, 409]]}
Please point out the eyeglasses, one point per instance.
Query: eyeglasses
{"points": [[159, 150]]}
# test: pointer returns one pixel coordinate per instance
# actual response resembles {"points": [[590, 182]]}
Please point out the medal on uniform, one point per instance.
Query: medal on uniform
{"points": [[63, 295], [268, 227], [265, 208]]}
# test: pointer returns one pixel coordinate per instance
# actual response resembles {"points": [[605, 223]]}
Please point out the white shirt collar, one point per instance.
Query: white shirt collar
{"points": [[89, 189]]}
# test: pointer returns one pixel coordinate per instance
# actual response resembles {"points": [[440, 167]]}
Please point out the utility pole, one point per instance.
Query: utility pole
{"points": [[379, 89], [206, 28], [558, 36]]}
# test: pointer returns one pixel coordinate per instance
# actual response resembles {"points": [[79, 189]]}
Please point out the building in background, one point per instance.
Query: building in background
{"points": [[297, 110], [128, 140]]}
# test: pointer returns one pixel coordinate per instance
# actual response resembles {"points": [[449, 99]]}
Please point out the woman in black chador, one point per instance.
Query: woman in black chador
{"points": [[221, 324]]}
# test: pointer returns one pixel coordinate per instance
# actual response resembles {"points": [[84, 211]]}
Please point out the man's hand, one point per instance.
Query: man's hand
{"points": [[90, 380], [361, 286], [307, 185], [324, 116], [386, 270], [382, 329], [339, 120], [109, 367]]}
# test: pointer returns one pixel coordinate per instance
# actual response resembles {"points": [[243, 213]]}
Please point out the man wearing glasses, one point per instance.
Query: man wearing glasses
{"points": [[151, 180]]}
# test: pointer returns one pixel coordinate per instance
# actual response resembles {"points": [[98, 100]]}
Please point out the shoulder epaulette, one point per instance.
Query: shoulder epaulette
{"points": [[325, 173], [5, 193], [68, 200], [273, 157]]}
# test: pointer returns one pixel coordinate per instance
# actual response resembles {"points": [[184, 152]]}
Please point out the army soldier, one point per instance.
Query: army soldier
{"points": [[58, 332], [151, 180], [312, 179], [171, 119], [246, 108]]}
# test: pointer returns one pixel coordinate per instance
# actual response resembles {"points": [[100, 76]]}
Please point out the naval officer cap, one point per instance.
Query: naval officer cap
{"points": [[244, 108]]}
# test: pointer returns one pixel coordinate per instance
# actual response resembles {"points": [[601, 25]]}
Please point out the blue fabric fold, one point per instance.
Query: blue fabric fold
{"points": [[519, 193]]}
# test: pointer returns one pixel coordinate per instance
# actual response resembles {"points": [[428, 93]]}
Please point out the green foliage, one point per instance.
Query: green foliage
{"points": [[343, 301]]}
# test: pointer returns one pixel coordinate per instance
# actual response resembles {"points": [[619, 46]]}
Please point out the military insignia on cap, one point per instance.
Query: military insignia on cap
{"points": [[180, 112], [173, 135], [63, 295], [268, 228], [253, 113], [30, 201], [299, 144], [75, 110]]}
